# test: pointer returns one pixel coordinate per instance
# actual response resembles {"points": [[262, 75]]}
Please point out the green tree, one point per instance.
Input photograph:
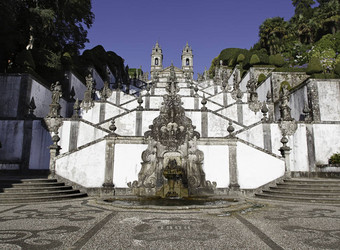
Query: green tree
{"points": [[273, 33], [57, 26]]}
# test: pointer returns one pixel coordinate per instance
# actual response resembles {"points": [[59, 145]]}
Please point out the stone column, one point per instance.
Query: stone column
{"points": [[233, 178], [102, 112], [118, 96], [108, 186], [285, 152], [240, 113], [54, 151], [196, 102], [147, 101], [267, 137], [310, 147], [225, 98]]}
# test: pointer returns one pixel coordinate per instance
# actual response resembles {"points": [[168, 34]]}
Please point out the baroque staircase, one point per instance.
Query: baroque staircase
{"points": [[18, 190], [312, 190]]}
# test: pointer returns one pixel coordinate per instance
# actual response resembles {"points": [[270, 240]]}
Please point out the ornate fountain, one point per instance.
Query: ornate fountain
{"points": [[172, 163]]}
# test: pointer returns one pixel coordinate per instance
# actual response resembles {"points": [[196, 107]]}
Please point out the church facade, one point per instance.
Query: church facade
{"points": [[160, 74]]}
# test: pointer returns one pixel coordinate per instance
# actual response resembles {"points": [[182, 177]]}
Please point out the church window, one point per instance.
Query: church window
{"points": [[187, 62], [156, 61], [156, 50]]}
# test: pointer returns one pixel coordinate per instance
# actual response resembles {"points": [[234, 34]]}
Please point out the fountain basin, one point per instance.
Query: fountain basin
{"points": [[171, 203]]}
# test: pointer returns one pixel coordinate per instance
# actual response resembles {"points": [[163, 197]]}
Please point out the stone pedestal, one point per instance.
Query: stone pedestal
{"points": [[233, 178]]}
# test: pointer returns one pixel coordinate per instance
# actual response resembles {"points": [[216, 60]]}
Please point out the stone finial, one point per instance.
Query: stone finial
{"points": [[239, 96], [140, 102], [196, 91], [307, 113], [55, 138], [31, 108], [76, 108], [264, 111], [284, 147], [230, 128], [112, 126], [204, 102]]}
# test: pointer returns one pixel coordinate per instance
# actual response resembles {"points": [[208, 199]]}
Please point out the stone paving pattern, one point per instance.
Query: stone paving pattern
{"points": [[88, 224]]}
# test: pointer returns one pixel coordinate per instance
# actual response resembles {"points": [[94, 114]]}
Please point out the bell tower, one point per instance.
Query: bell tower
{"points": [[156, 59], [188, 61]]}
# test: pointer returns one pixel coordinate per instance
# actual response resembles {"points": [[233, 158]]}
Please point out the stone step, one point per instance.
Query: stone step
{"points": [[34, 189], [301, 189], [38, 193], [299, 198], [28, 190], [308, 185], [42, 198], [305, 194], [313, 181], [34, 184]]}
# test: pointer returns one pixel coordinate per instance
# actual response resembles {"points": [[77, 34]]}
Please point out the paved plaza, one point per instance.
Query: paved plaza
{"points": [[89, 224]]}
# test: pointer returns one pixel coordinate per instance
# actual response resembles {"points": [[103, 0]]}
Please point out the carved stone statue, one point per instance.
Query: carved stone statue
{"points": [[55, 105]]}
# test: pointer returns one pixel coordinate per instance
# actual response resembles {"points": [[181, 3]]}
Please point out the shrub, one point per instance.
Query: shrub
{"points": [[254, 60], [337, 69], [240, 58], [335, 159], [314, 66], [261, 78], [276, 60]]}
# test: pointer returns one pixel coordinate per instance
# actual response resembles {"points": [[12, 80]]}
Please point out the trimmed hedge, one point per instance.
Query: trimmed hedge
{"points": [[261, 78], [314, 66], [254, 59]]}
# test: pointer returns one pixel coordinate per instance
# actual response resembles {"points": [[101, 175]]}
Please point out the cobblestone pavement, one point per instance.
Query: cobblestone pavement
{"points": [[87, 224]]}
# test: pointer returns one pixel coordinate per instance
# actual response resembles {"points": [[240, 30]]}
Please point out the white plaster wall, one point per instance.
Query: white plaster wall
{"points": [[184, 91], [156, 102], [9, 91], [92, 115], [297, 102], [87, 134], [124, 98], [85, 167], [244, 82], [249, 117], [97, 79], [327, 141], [42, 98], [230, 112], [217, 126], [64, 134], [210, 90], [111, 111], [132, 104], [211, 106], [126, 124], [195, 117], [276, 139], [263, 89], [79, 87], [188, 102], [216, 164], [160, 91], [127, 163], [253, 135], [257, 168], [11, 137], [299, 153], [329, 100], [217, 98], [148, 117], [41, 140]]}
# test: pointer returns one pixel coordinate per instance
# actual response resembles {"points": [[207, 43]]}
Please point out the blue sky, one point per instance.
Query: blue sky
{"points": [[131, 27]]}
